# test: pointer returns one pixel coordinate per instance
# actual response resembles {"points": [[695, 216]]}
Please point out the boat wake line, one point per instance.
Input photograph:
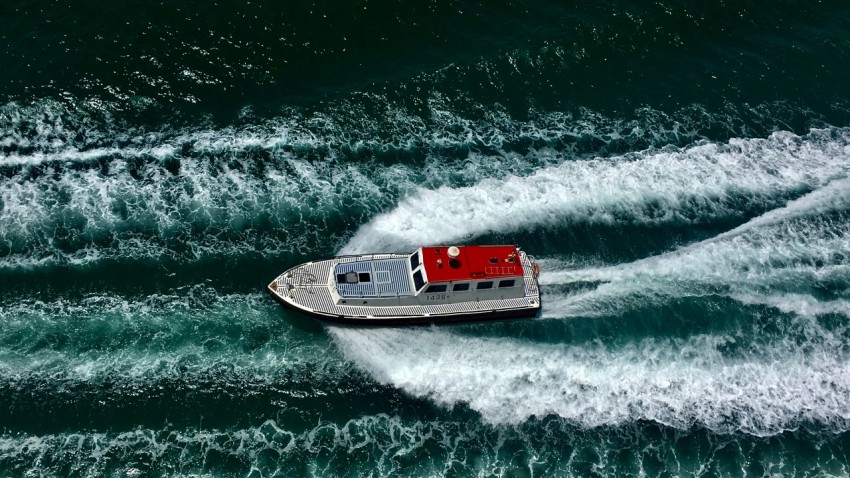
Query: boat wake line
{"points": [[652, 188], [784, 250], [211, 207]]}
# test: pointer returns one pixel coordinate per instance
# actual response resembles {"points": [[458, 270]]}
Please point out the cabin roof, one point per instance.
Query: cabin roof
{"points": [[472, 263]]}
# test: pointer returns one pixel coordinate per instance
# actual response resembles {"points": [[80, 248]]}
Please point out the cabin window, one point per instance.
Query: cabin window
{"points": [[364, 277], [461, 287], [418, 281], [414, 260], [506, 283], [436, 288], [485, 285]]}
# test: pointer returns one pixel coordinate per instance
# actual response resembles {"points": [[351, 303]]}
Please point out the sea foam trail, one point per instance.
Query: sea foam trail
{"points": [[676, 382], [210, 194], [193, 335], [379, 445], [52, 132], [781, 381], [270, 448], [214, 192], [695, 184], [787, 250], [113, 333], [207, 208], [101, 355]]}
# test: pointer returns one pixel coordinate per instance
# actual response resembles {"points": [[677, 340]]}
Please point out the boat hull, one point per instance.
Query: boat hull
{"points": [[435, 319], [386, 292]]}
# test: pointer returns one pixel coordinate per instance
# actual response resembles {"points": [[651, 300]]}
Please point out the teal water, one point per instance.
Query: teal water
{"points": [[680, 170]]}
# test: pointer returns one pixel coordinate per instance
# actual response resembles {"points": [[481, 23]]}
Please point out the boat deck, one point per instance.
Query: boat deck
{"points": [[388, 278]]}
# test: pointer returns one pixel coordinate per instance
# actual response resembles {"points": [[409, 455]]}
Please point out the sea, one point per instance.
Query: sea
{"points": [[680, 170]]}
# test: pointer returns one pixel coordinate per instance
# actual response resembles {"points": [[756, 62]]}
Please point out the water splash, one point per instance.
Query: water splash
{"points": [[696, 184]]}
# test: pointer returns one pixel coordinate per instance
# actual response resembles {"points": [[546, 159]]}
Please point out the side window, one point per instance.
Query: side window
{"points": [[460, 287], [485, 285], [418, 281], [436, 288], [506, 283]]}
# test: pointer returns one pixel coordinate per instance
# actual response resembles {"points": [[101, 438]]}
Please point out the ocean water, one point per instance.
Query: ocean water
{"points": [[680, 169]]}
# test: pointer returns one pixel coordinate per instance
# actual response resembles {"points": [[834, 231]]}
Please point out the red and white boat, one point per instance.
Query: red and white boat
{"points": [[432, 285]]}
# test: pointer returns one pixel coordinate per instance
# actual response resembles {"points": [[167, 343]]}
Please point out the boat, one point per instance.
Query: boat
{"points": [[432, 285]]}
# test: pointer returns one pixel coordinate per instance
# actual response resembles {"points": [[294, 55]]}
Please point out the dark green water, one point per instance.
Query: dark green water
{"points": [[680, 169]]}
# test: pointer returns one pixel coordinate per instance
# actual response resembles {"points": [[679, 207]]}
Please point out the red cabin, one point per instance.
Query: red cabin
{"points": [[450, 264]]}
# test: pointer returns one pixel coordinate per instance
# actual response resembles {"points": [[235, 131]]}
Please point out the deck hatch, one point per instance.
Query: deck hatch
{"points": [[352, 270]]}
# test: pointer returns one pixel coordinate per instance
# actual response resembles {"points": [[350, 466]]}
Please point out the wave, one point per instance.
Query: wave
{"points": [[696, 184], [81, 196], [391, 445], [146, 211], [269, 446], [677, 382], [81, 188], [51, 131], [159, 334], [50, 391], [191, 335], [102, 361]]}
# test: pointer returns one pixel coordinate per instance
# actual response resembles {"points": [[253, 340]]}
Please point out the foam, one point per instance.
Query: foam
{"points": [[800, 304], [786, 249], [189, 364], [50, 131], [268, 447], [695, 184], [134, 206], [385, 445], [191, 331], [121, 199], [208, 209], [676, 382], [779, 383]]}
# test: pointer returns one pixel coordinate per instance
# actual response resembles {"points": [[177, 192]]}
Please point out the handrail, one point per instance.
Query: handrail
{"points": [[371, 256]]}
